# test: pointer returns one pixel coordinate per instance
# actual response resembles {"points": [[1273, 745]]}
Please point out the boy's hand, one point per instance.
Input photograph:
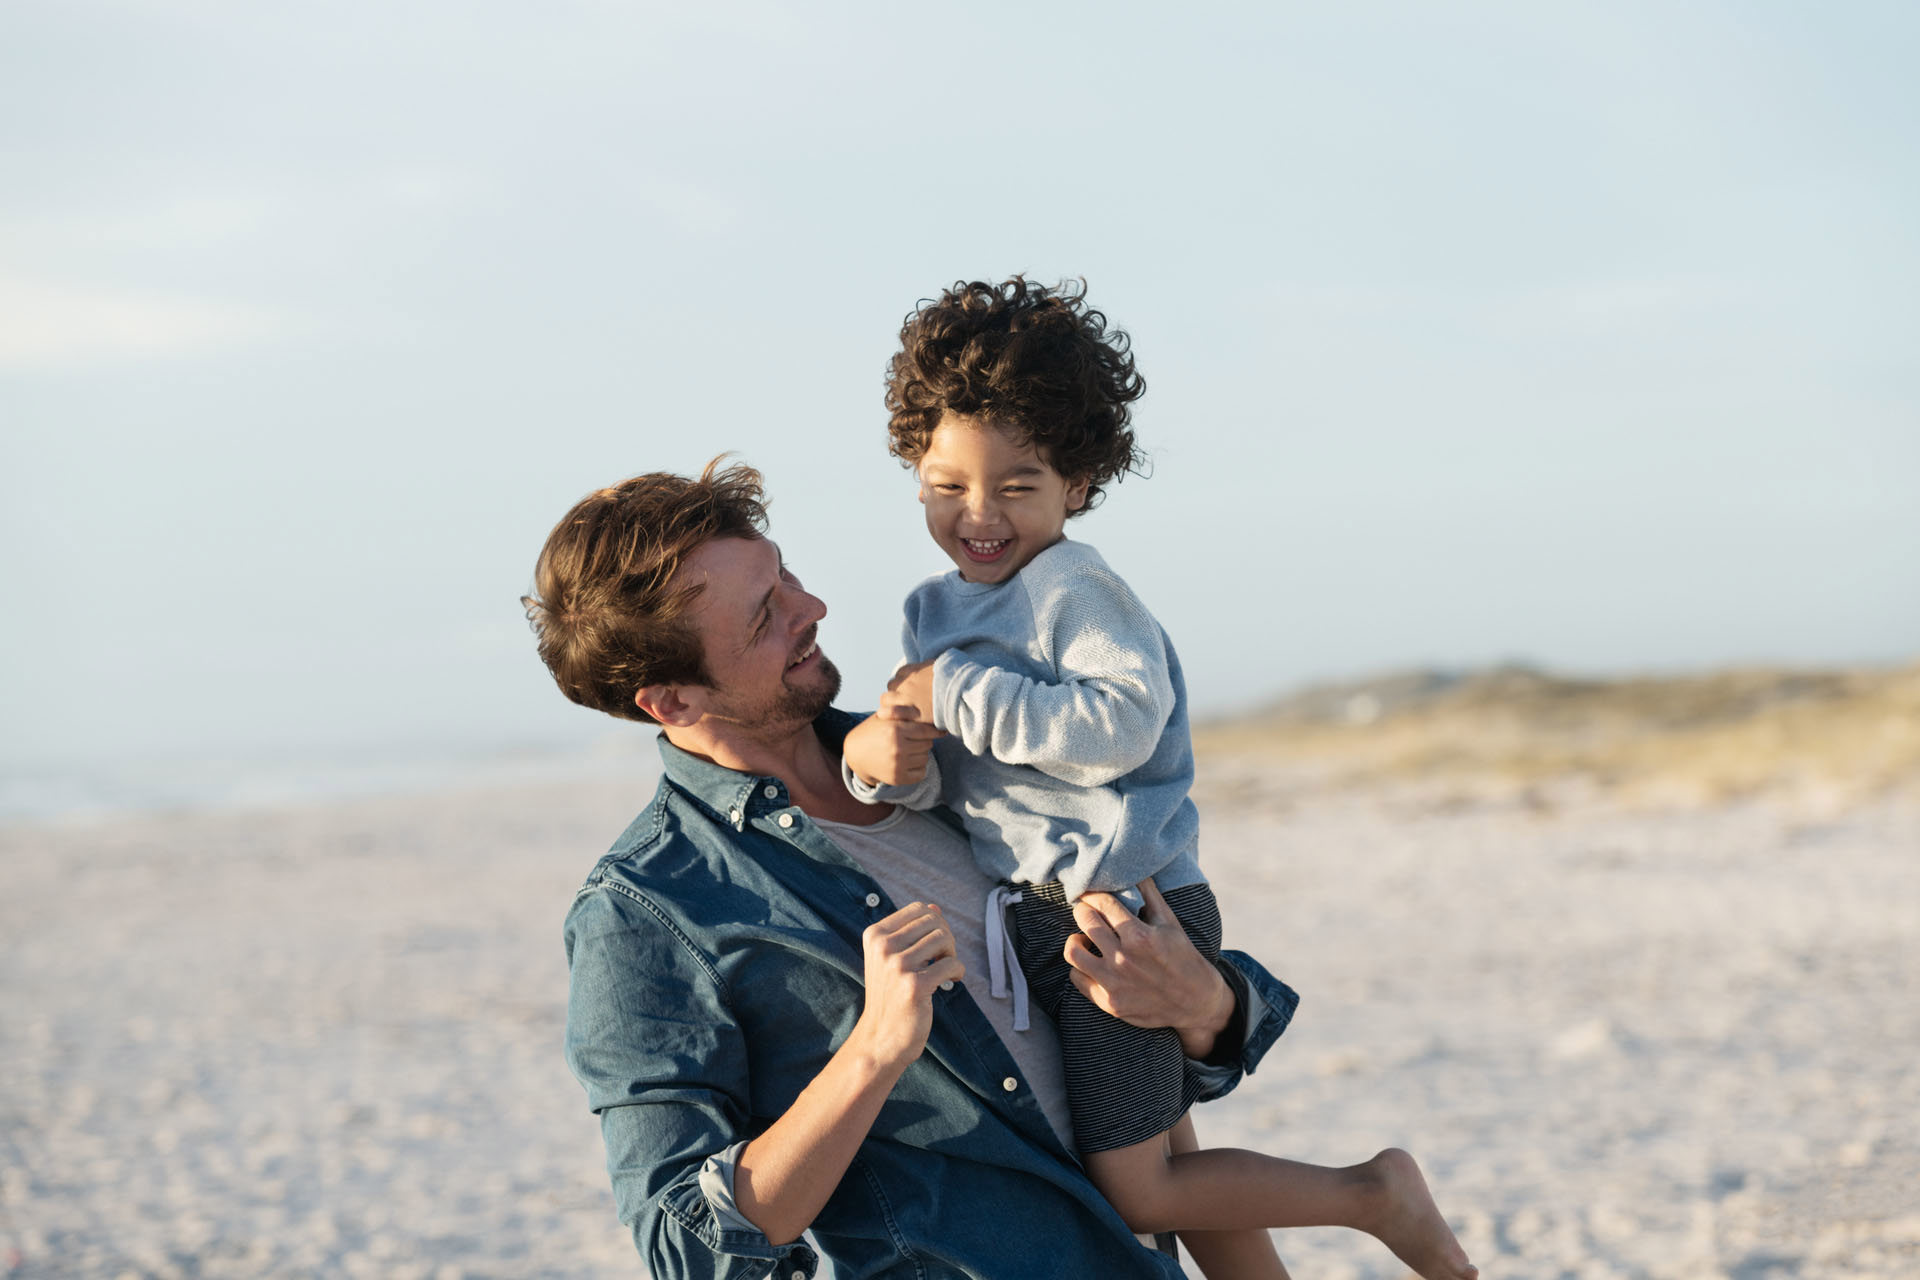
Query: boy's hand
{"points": [[1145, 970], [890, 747], [913, 687]]}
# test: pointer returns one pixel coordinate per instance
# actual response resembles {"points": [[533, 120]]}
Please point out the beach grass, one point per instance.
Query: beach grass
{"points": [[1843, 736]]}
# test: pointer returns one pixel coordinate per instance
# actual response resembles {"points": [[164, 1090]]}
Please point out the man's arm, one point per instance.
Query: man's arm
{"points": [[663, 1059], [785, 1175], [651, 1038]]}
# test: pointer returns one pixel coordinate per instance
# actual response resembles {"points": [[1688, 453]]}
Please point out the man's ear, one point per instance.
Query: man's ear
{"points": [[664, 703]]}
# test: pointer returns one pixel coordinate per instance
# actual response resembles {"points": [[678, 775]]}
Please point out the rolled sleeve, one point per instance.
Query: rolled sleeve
{"points": [[1264, 1006], [716, 1184], [650, 1037]]}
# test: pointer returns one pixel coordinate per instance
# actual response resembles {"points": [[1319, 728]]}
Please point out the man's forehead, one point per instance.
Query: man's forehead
{"points": [[733, 574]]}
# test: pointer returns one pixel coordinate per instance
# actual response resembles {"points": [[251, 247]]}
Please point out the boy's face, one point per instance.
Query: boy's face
{"points": [[992, 504]]}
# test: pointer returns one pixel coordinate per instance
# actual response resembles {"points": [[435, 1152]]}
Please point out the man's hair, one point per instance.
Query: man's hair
{"points": [[609, 618], [1032, 361]]}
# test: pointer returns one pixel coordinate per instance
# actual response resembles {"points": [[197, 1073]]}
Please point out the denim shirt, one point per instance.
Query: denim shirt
{"points": [[716, 966]]}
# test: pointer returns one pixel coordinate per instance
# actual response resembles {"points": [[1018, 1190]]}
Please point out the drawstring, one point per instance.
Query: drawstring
{"points": [[1003, 962]]}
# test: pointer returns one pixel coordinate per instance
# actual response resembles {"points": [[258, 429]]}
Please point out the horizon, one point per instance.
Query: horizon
{"points": [[103, 787]]}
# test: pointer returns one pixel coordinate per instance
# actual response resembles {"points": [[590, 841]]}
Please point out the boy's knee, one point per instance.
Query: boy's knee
{"points": [[1143, 1214]]}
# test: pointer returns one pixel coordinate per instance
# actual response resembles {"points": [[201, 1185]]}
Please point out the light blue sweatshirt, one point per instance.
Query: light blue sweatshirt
{"points": [[1069, 757]]}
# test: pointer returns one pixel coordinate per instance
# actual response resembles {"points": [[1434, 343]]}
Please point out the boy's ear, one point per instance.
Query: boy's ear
{"points": [[1077, 494], [664, 703]]}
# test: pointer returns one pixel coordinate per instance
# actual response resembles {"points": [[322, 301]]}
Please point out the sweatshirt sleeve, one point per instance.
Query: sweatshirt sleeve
{"points": [[1101, 715], [923, 794]]}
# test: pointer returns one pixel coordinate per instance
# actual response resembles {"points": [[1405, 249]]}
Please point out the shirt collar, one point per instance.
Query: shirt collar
{"points": [[737, 797]]}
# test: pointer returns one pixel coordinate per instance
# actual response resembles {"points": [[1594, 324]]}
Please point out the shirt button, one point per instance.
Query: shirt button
{"points": [[786, 819], [873, 899], [799, 1275], [733, 815], [947, 985], [770, 791], [1009, 1084]]}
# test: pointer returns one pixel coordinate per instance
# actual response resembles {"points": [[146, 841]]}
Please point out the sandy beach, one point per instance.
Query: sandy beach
{"points": [[1627, 1041]]}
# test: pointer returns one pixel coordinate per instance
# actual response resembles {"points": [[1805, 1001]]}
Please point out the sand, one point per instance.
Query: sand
{"points": [[1624, 1042]]}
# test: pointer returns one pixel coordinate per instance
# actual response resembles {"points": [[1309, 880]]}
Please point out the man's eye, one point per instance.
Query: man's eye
{"points": [[1018, 488]]}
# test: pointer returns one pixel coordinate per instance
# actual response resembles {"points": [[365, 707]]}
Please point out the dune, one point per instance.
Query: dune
{"points": [[1835, 737]]}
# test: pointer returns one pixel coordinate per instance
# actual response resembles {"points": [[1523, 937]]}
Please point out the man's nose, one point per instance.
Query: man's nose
{"points": [[808, 609]]}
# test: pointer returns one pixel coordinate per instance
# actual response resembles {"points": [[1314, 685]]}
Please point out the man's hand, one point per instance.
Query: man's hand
{"points": [[1145, 970], [908, 955], [890, 747], [912, 686]]}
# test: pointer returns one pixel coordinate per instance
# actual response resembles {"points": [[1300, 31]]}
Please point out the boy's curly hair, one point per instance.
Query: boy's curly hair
{"points": [[1033, 361]]}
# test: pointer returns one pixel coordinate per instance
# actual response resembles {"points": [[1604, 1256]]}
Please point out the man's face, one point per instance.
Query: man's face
{"points": [[757, 627]]}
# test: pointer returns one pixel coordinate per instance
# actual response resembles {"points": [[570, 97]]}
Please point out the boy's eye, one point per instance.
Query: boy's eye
{"points": [[1018, 488]]}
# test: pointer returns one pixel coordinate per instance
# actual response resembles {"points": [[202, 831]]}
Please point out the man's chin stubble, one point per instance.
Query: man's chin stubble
{"points": [[809, 703], [804, 705]]}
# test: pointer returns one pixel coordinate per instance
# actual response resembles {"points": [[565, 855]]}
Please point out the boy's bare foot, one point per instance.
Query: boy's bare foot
{"points": [[1409, 1223]]}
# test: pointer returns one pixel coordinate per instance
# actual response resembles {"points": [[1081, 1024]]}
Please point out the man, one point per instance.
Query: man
{"points": [[766, 1007]]}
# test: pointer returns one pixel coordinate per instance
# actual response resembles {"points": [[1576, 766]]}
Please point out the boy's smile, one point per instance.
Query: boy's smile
{"points": [[993, 504]]}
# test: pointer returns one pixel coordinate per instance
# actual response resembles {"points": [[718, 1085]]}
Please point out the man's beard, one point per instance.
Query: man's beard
{"points": [[807, 704], [790, 706]]}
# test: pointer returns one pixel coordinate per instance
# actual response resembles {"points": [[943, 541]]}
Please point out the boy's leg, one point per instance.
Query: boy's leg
{"points": [[1226, 1189], [1226, 1255], [1128, 1087]]}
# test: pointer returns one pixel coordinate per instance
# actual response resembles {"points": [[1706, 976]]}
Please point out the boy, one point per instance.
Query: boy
{"points": [[1066, 753]]}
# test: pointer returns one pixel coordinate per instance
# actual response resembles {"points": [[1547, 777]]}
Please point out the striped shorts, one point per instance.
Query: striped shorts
{"points": [[1125, 1084]]}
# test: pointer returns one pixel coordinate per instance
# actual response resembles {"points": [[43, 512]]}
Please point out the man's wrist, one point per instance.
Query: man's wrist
{"points": [[1199, 1038], [871, 1065]]}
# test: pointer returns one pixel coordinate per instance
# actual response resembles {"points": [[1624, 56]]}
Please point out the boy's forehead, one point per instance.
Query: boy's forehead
{"points": [[965, 441]]}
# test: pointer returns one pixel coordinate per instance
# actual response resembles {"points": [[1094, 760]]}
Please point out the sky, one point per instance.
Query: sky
{"points": [[1585, 334]]}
